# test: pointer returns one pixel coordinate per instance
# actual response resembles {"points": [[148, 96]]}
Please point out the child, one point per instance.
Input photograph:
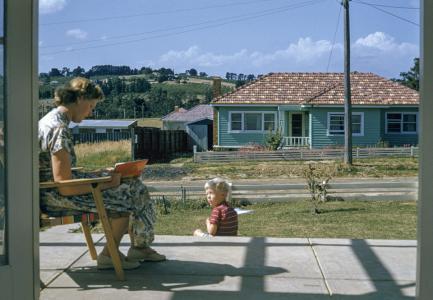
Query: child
{"points": [[223, 219]]}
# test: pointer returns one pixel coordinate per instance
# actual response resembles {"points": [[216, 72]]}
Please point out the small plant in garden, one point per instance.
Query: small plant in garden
{"points": [[317, 183], [274, 139]]}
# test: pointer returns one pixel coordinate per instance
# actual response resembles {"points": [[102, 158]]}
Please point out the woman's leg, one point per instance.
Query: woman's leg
{"points": [[142, 227], [119, 227]]}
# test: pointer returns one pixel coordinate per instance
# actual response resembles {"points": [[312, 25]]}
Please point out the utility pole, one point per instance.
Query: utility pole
{"points": [[347, 95]]}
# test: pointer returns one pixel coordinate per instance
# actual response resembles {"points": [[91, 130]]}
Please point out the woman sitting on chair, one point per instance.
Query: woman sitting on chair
{"points": [[75, 101]]}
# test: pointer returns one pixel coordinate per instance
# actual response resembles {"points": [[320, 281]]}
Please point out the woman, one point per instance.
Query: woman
{"points": [[74, 102]]}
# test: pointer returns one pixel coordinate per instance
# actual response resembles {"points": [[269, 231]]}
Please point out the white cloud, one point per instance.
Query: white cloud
{"points": [[51, 6], [77, 33], [384, 43], [304, 52], [194, 56], [377, 52]]}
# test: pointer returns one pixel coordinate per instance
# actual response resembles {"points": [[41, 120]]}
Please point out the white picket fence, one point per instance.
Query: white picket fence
{"points": [[405, 190], [301, 154]]}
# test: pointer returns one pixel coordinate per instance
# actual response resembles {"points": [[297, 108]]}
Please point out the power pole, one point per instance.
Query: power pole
{"points": [[347, 95]]}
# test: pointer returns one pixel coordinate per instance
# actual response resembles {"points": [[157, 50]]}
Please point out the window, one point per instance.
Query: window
{"points": [[269, 121], [236, 121], [401, 123], [393, 123], [336, 123], [356, 124], [252, 121]]}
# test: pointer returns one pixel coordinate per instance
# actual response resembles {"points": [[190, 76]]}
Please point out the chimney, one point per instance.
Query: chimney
{"points": [[176, 108], [216, 87]]}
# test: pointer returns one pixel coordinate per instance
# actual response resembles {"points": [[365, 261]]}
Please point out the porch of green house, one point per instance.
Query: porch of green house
{"points": [[295, 126]]}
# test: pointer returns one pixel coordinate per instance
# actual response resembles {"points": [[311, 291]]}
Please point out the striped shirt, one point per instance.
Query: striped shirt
{"points": [[226, 219]]}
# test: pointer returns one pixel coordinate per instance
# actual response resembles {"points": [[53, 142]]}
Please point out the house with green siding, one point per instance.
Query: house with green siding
{"points": [[308, 108]]}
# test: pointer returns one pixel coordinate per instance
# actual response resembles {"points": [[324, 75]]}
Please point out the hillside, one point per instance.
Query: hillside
{"points": [[139, 95]]}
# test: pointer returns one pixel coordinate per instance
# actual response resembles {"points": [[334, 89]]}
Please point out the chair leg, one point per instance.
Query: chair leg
{"points": [[112, 248], [89, 241]]}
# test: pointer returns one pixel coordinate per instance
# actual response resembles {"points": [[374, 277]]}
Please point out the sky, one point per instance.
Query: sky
{"points": [[239, 36]]}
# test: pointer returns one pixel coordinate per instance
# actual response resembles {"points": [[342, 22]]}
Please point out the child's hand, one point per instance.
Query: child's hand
{"points": [[207, 222]]}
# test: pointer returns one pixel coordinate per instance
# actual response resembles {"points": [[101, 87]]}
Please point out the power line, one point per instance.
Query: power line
{"points": [[387, 12], [390, 6], [274, 11], [277, 9], [335, 35], [153, 13]]}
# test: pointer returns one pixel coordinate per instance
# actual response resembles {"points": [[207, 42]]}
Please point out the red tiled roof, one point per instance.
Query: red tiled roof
{"points": [[320, 88]]}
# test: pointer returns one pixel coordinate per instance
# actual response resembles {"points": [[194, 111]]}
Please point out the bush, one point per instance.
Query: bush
{"points": [[274, 139], [317, 183]]}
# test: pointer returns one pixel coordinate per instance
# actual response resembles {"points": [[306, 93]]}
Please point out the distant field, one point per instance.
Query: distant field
{"points": [[209, 81], [103, 154], [150, 122]]}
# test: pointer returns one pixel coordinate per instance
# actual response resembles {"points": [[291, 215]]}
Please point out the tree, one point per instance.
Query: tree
{"points": [[78, 71], [55, 72], [192, 72], [411, 78], [202, 74], [66, 71]]}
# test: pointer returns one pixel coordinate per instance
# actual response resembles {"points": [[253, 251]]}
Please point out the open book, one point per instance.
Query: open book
{"points": [[241, 211], [130, 168]]}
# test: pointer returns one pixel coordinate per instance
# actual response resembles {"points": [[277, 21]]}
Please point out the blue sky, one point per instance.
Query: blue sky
{"points": [[240, 36]]}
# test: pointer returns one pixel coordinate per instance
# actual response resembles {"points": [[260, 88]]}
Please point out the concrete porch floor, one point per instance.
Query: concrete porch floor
{"points": [[234, 268]]}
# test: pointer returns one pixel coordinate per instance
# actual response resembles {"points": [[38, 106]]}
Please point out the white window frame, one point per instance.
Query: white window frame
{"points": [[328, 129], [242, 113], [401, 122]]}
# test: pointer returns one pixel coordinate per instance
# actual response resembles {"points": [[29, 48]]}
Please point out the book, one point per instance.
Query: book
{"points": [[130, 168], [241, 211]]}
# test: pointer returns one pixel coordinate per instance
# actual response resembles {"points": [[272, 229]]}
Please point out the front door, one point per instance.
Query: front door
{"points": [[19, 278], [296, 125]]}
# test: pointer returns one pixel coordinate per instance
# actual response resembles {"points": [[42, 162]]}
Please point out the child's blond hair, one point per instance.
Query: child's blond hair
{"points": [[218, 184]]}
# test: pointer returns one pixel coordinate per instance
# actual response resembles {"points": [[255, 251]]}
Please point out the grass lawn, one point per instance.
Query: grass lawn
{"points": [[105, 154], [372, 167], [350, 219]]}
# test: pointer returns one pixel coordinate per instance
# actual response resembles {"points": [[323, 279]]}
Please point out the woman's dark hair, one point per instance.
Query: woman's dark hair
{"points": [[76, 88]]}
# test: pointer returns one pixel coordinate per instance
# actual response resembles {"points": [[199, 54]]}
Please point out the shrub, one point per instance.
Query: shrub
{"points": [[274, 139], [317, 183]]}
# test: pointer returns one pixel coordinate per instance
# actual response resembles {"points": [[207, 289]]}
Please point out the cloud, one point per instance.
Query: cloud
{"points": [[194, 56], [384, 43], [51, 6], [77, 33], [377, 52], [304, 52]]}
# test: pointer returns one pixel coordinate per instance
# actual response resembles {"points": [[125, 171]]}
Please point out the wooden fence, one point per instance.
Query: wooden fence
{"points": [[301, 154], [92, 137], [156, 144], [405, 190]]}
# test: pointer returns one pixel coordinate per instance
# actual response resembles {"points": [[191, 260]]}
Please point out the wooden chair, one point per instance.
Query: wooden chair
{"points": [[86, 218]]}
